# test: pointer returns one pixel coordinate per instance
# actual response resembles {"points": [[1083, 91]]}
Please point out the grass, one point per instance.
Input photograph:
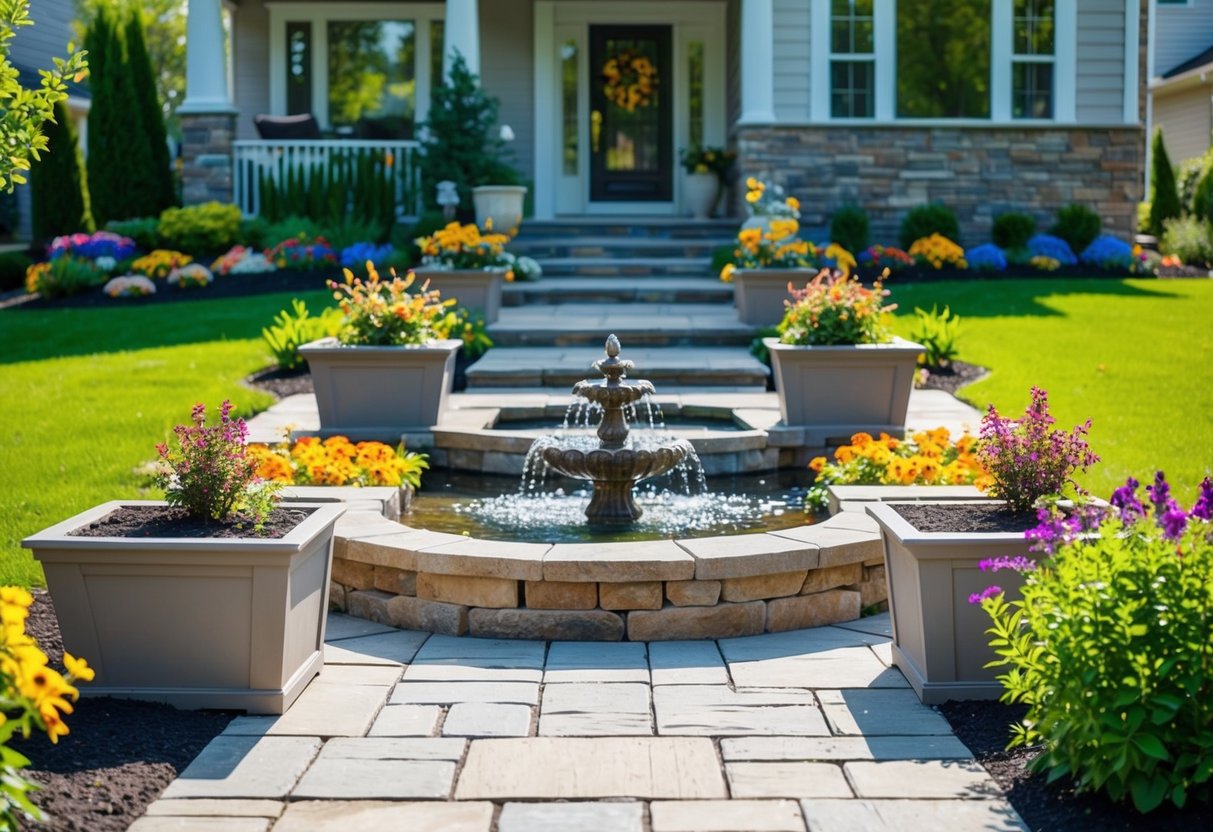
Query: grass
{"points": [[86, 393]]}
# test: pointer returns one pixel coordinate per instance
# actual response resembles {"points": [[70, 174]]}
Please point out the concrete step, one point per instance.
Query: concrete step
{"points": [[648, 324], [626, 266], [624, 248], [669, 368], [551, 290], [679, 228]]}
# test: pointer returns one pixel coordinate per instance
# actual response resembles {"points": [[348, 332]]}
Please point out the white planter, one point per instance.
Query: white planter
{"points": [[196, 622], [759, 294], [475, 290], [380, 392], [500, 203], [700, 190]]}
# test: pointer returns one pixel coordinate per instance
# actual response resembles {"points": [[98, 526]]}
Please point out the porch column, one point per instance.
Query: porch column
{"points": [[757, 62], [208, 119], [461, 33]]}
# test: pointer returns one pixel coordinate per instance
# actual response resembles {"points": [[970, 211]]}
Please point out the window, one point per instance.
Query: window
{"points": [[943, 59], [695, 91], [298, 67], [852, 59], [569, 108], [1032, 59], [372, 87]]}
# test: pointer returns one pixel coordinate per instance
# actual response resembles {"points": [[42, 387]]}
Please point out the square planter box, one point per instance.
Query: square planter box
{"points": [[233, 623], [939, 639], [380, 392], [759, 294], [838, 390], [477, 290]]}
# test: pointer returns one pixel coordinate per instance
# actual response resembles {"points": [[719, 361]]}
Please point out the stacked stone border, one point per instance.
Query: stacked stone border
{"points": [[714, 587]]}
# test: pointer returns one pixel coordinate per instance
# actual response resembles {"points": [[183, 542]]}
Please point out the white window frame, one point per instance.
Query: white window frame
{"points": [[884, 12], [850, 58], [319, 14]]}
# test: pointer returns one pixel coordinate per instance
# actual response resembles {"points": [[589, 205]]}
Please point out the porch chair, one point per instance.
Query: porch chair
{"points": [[302, 126]]}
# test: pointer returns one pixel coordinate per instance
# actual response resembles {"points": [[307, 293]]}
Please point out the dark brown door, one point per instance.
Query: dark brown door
{"points": [[631, 114]]}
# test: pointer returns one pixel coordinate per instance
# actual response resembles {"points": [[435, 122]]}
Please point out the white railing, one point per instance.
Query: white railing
{"points": [[266, 162]]}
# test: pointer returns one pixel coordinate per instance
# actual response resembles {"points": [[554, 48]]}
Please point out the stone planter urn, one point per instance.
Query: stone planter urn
{"points": [[939, 639], [500, 203], [836, 391], [700, 191], [759, 294], [477, 290], [380, 392], [232, 623]]}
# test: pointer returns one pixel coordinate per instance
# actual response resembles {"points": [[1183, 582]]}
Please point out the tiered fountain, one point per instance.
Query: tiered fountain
{"points": [[613, 467]]}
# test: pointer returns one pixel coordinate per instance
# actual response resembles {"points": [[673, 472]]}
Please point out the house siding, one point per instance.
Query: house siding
{"points": [[33, 46], [507, 37], [791, 54], [251, 59], [1186, 118], [1181, 33], [1100, 82]]}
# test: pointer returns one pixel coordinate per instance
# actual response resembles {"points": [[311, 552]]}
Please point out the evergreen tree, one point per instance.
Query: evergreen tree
{"points": [[58, 190], [160, 194], [108, 136], [1164, 196]]}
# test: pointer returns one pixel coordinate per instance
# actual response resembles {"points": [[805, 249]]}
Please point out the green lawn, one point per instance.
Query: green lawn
{"points": [[86, 393]]}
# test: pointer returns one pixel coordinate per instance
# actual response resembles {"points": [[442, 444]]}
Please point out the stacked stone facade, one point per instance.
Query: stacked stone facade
{"points": [[206, 150], [979, 172]]}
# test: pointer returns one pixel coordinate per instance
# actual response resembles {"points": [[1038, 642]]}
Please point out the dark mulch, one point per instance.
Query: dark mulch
{"points": [[985, 728], [953, 377], [1184, 271], [166, 521], [919, 274], [119, 756], [282, 383], [963, 517]]}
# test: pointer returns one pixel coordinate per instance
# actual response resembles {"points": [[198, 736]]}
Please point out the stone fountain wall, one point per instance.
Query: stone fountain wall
{"points": [[717, 587]]}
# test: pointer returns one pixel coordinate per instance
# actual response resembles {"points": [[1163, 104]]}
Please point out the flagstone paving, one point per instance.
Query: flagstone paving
{"points": [[788, 732]]}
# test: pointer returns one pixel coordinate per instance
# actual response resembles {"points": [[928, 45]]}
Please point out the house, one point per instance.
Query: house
{"points": [[32, 49], [986, 105], [1181, 76]]}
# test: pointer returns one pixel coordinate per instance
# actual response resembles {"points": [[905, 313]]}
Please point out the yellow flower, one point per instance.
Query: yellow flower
{"points": [[793, 203], [78, 668], [753, 196], [726, 274]]}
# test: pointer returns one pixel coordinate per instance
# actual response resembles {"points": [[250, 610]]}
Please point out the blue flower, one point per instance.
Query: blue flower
{"points": [[355, 256], [988, 257], [1107, 252], [1046, 245]]}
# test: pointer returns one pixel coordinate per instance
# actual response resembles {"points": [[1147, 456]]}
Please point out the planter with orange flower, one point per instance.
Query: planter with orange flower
{"points": [[388, 370], [468, 265], [765, 262], [838, 369]]}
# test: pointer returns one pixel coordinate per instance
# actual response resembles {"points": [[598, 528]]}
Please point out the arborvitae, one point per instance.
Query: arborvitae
{"points": [[109, 137], [160, 194], [58, 189], [1164, 199]]}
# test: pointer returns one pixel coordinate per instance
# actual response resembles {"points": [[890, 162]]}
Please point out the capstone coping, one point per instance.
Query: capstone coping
{"points": [[743, 555], [641, 560], [485, 559]]}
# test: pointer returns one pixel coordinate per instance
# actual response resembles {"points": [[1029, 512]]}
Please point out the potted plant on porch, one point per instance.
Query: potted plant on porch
{"points": [[470, 267], [838, 369], [213, 598], [766, 262], [935, 551], [389, 369], [707, 170]]}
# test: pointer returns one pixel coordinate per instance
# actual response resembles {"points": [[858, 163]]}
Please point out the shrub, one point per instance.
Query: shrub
{"points": [[1188, 238], [253, 232], [1108, 252], [337, 461], [885, 257], [986, 257], [1053, 248], [849, 228], [210, 473], [296, 326], [1013, 229], [1202, 196], [303, 253], [1164, 196], [159, 264], [834, 309], [1189, 176], [1108, 647], [1078, 225], [142, 230], [201, 229], [351, 231], [13, 267], [62, 276], [938, 251], [472, 331], [291, 228], [58, 190], [938, 333], [1027, 458], [357, 255], [925, 220]]}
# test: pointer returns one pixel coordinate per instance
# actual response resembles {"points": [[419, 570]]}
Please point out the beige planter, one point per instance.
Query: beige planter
{"points": [[476, 290], [195, 622], [836, 391], [502, 204], [699, 191], [380, 392], [939, 639], [759, 294]]}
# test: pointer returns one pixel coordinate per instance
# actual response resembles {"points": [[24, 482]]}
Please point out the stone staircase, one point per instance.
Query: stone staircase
{"points": [[648, 280]]}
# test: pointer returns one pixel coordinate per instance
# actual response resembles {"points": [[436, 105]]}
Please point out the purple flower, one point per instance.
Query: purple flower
{"points": [[1173, 521], [988, 592], [1125, 500], [1160, 492], [1202, 509], [1019, 563]]}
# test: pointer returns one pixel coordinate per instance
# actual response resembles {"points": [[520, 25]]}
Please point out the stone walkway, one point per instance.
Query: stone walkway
{"points": [[806, 730]]}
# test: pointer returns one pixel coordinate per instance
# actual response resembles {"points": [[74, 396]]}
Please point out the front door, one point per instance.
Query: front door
{"points": [[631, 114]]}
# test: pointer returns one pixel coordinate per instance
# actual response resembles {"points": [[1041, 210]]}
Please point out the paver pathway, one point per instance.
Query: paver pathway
{"points": [[807, 730]]}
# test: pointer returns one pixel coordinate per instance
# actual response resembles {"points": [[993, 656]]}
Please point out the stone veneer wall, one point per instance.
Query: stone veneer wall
{"points": [[979, 172], [710, 588], [206, 150]]}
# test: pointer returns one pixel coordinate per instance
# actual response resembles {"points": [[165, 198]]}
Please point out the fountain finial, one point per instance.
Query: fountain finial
{"points": [[612, 346]]}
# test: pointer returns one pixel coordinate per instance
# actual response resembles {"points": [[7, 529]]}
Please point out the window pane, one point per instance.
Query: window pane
{"points": [[372, 87], [943, 59], [851, 26], [1033, 26], [298, 68], [568, 87], [695, 80], [852, 89], [1031, 90], [437, 40]]}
